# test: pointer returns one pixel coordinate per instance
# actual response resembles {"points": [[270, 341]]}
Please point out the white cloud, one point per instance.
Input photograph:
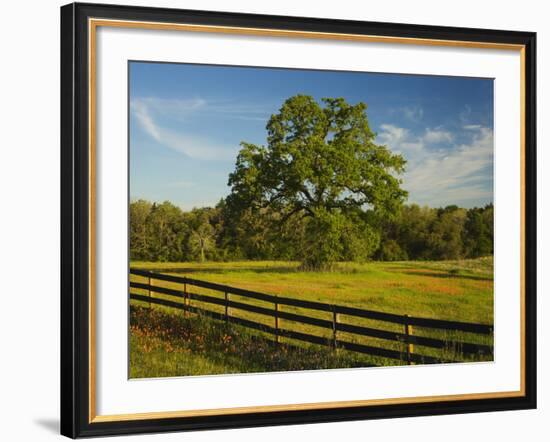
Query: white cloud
{"points": [[398, 139], [436, 136], [147, 113], [141, 112], [434, 176], [200, 148], [465, 114], [150, 111], [413, 113], [172, 107], [182, 109]]}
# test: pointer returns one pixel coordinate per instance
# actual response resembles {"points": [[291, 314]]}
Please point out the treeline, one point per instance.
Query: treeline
{"points": [[424, 233], [164, 232]]}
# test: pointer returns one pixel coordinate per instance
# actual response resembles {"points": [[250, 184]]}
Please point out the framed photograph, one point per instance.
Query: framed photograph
{"points": [[274, 220]]}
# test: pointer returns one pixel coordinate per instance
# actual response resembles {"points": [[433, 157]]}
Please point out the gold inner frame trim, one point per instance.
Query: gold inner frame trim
{"points": [[93, 24]]}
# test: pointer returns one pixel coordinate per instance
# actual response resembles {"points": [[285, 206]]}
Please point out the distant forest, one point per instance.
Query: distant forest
{"points": [[164, 232]]}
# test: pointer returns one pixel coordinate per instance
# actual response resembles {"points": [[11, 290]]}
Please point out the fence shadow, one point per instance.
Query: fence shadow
{"points": [[221, 269], [441, 274]]}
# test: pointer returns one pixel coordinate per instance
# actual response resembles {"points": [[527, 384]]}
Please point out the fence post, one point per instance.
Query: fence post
{"points": [[149, 290], [334, 326], [276, 321], [410, 346], [185, 311], [226, 296]]}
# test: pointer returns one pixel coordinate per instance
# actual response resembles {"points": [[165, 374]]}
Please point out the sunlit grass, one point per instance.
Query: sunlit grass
{"points": [[452, 290], [164, 344]]}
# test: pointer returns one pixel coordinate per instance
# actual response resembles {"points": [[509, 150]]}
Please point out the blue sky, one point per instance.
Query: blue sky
{"points": [[186, 123]]}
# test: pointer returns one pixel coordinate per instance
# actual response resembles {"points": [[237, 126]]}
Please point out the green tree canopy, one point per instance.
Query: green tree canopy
{"points": [[478, 232], [165, 232], [202, 236], [321, 164]]}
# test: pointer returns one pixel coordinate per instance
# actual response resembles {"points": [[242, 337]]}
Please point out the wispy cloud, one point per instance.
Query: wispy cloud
{"points": [[465, 114], [140, 110], [410, 113], [459, 173], [182, 109], [399, 139], [172, 107], [413, 113], [437, 136], [149, 113]]}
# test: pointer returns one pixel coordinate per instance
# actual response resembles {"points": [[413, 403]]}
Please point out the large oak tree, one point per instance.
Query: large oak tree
{"points": [[322, 165]]}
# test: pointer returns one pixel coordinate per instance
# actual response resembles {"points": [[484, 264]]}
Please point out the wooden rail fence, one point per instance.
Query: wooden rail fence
{"points": [[335, 325]]}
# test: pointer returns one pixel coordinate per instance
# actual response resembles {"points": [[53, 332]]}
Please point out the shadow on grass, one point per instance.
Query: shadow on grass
{"points": [[439, 274], [221, 270]]}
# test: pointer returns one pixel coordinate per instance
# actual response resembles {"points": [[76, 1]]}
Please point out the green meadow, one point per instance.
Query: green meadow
{"points": [[169, 342]]}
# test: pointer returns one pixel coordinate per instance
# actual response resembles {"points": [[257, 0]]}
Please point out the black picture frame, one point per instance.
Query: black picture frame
{"points": [[75, 221]]}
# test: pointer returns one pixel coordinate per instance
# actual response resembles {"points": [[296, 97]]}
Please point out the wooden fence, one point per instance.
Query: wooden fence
{"points": [[335, 325]]}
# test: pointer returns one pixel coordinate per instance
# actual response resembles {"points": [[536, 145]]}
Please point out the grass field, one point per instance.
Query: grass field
{"points": [[163, 344], [452, 290]]}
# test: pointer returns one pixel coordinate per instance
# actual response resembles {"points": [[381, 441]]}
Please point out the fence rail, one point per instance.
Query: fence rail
{"points": [[335, 324]]}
